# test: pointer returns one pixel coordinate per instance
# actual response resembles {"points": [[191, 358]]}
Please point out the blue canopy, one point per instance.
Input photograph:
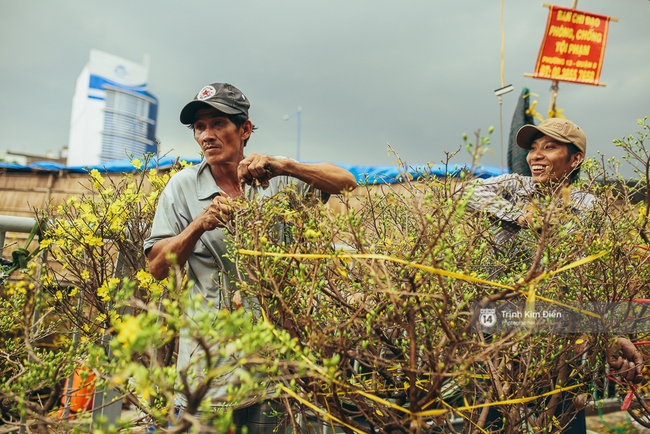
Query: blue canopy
{"points": [[364, 174]]}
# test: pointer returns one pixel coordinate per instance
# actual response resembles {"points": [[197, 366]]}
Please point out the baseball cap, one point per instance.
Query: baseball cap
{"points": [[222, 96], [562, 130]]}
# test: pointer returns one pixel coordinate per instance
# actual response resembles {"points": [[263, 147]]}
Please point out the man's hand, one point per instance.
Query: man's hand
{"points": [[625, 359], [525, 220], [257, 168], [218, 213]]}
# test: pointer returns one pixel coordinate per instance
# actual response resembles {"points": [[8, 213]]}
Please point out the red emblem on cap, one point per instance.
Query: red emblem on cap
{"points": [[206, 93]]}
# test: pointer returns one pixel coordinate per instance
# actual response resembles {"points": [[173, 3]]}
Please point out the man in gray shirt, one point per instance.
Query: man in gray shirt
{"points": [[197, 204]]}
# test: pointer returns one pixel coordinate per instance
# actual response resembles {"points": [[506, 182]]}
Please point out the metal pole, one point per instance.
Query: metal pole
{"points": [[25, 225], [14, 224], [298, 133], [297, 115]]}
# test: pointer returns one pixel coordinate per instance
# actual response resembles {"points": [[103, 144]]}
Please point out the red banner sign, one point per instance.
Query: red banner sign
{"points": [[573, 47]]}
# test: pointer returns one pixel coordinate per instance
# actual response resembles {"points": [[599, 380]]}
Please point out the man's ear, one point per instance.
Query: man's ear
{"points": [[576, 159], [246, 129]]}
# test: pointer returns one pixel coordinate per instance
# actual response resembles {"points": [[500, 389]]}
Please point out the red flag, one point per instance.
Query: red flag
{"points": [[573, 47]]}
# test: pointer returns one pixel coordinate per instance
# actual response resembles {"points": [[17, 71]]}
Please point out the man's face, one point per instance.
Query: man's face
{"points": [[549, 160], [220, 139]]}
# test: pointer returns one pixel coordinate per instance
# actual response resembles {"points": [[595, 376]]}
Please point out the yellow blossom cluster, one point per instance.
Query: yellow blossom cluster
{"points": [[107, 288], [84, 236], [83, 226], [129, 330], [148, 282], [20, 287]]}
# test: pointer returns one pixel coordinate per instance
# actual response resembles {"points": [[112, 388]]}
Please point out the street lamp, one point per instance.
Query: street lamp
{"points": [[297, 116]]}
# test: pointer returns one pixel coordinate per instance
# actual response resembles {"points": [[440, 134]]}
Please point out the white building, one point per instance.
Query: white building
{"points": [[113, 114]]}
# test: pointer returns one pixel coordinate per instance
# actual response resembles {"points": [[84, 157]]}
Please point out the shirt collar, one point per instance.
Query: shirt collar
{"points": [[206, 187]]}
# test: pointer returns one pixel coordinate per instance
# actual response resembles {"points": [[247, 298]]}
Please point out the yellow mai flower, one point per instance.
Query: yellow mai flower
{"points": [[116, 207], [312, 234], [77, 252], [156, 289], [115, 317], [117, 225], [85, 275], [153, 196], [59, 231], [45, 243], [21, 287], [92, 240], [129, 330], [62, 340], [144, 279], [137, 163], [46, 279], [147, 392], [102, 293], [98, 180], [87, 219]]}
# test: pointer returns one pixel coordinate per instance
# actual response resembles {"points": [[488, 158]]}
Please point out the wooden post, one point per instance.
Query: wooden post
{"points": [[555, 86]]}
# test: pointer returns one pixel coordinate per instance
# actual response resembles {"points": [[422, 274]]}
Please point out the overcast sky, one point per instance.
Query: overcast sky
{"points": [[416, 74]]}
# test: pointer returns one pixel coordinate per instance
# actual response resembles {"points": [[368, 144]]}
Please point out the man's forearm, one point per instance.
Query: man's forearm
{"points": [[326, 177], [180, 246]]}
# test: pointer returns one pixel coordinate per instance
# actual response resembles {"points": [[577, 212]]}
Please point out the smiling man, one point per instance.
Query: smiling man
{"points": [[556, 150]]}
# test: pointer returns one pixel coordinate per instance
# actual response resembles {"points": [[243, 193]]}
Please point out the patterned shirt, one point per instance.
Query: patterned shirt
{"points": [[507, 197]]}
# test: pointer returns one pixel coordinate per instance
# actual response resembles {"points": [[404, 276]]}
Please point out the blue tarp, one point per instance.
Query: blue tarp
{"points": [[115, 166], [393, 174], [364, 174]]}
